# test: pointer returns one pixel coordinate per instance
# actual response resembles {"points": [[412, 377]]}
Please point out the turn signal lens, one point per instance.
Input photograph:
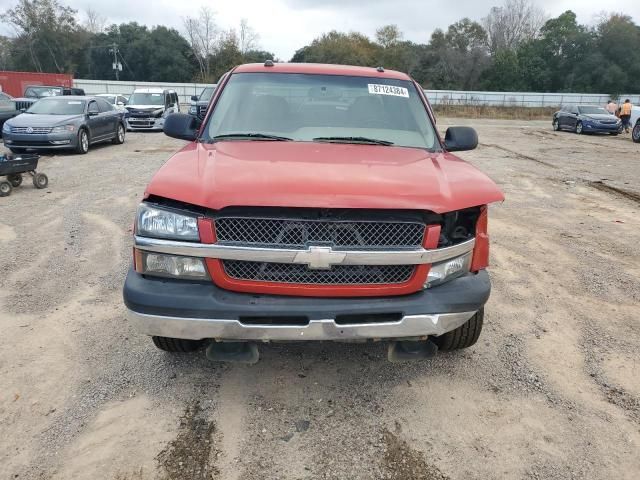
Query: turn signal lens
{"points": [[448, 270], [172, 266]]}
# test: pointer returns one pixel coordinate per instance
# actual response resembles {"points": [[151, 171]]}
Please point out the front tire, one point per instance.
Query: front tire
{"points": [[119, 138], [635, 133], [555, 125], [177, 345], [579, 128], [83, 142], [40, 180], [463, 336]]}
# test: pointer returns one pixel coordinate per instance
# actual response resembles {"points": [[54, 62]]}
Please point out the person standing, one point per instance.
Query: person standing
{"points": [[625, 114], [612, 107]]}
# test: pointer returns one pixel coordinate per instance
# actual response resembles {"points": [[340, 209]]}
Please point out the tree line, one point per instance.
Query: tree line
{"points": [[515, 47]]}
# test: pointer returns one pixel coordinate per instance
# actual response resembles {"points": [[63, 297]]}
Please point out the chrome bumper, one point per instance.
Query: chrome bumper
{"points": [[199, 328]]}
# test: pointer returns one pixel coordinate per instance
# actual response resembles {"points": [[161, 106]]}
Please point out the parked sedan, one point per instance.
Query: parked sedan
{"points": [[64, 123], [586, 119]]}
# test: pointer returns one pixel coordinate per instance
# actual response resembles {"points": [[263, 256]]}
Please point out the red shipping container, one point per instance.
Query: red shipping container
{"points": [[14, 83]]}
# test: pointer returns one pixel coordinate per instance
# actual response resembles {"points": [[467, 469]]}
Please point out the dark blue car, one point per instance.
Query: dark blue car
{"points": [[586, 119]]}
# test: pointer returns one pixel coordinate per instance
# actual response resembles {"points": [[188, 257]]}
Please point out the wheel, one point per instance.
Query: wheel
{"points": [[177, 345], [17, 150], [555, 124], [463, 336], [635, 133], [40, 180], [15, 179], [579, 128], [119, 138], [5, 188], [83, 142]]}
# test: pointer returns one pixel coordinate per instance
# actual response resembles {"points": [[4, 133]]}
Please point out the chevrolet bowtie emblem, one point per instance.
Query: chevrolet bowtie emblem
{"points": [[319, 258]]}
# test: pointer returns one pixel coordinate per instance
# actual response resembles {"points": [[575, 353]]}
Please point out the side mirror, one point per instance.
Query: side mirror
{"points": [[194, 98], [181, 125], [120, 104], [459, 139]]}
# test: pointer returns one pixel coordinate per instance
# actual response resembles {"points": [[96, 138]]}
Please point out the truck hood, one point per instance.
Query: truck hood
{"points": [[321, 175], [35, 120]]}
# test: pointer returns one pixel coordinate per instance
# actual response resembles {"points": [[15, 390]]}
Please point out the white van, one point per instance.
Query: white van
{"points": [[148, 107]]}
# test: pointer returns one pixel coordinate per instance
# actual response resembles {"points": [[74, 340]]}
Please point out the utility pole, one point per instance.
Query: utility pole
{"points": [[117, 66]]}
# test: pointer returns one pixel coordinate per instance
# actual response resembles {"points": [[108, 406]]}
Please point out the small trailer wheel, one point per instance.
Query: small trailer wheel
{"points": [[15, 180], [40, 180], [5, 188]]}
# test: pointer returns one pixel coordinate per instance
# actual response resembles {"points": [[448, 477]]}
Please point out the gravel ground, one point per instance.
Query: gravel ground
{"points": [[550, 391]]}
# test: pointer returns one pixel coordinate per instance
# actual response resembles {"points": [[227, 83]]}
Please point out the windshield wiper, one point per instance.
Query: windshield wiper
{"points": [[371, 141], [251, 136]]}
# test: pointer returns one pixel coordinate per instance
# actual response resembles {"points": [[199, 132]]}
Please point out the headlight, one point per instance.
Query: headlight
{"points": [[448, 270], [161, 223], [158, 113], [172, 266], [6, 128], [63, 129], [193, 110]]}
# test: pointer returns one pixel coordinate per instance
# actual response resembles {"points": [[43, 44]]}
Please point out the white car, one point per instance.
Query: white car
{"points": [[634, 121], [148, 107], [118, 100]]}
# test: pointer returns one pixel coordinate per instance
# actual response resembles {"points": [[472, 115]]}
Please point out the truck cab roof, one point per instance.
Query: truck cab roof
{"points": [[321, 69]]}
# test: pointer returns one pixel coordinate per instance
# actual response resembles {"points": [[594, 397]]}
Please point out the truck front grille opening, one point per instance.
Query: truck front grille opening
{"points": [[285, 233], [301, 274]]}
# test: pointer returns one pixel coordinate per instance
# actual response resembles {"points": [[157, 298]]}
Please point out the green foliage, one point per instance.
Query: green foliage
{"points": [[343, 48]]}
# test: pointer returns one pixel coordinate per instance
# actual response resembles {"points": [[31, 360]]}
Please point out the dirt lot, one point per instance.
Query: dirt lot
{"points": [[551, 391]]}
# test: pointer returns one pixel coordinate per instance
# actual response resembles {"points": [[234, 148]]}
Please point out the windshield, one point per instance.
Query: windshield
{"points": [[206, 94], [44, 92], [57, 106], [146, 99], [334, 108], [593, 111], [109, 98]]}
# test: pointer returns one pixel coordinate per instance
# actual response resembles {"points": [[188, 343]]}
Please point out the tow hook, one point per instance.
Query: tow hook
{"points": [[408, 350], [239, 352]]}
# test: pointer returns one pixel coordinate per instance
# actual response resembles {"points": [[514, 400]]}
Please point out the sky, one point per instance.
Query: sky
{"points": [[286, 25]]}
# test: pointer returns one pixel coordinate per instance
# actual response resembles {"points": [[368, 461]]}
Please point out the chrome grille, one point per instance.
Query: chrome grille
{"points": [[338, 275], [285, 233], [31, 130]]}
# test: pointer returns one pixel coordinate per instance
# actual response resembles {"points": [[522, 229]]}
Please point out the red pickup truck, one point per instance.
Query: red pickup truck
{"points": [[313, 202]]}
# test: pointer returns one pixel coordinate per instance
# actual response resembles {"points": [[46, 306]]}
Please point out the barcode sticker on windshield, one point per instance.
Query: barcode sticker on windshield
{"points": [[388, 90]]}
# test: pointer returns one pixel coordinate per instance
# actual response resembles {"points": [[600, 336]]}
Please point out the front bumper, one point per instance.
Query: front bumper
{"points": [[190, 310], [49, 141], [144, 123], [599, 128]]}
